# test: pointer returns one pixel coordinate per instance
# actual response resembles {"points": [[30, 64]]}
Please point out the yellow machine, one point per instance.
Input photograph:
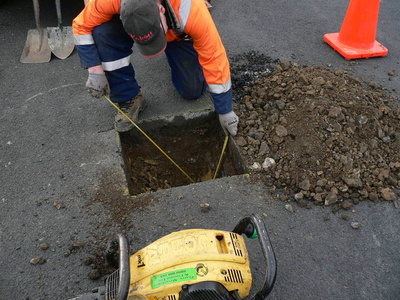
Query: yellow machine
{"points": [[189, 256], [194, 264]]}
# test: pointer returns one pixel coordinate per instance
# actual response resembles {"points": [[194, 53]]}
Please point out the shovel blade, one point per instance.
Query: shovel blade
{"points": [[61, 41], [36, 48]]}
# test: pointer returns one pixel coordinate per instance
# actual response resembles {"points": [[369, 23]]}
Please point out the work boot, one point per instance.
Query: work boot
{"points": [[131, 108]]}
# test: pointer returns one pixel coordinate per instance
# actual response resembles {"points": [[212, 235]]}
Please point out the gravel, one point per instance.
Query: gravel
{"points": [[321, 136]]}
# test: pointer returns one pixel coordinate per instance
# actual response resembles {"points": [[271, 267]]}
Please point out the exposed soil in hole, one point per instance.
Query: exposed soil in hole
{"points": [[196, 149], [317, 135]]}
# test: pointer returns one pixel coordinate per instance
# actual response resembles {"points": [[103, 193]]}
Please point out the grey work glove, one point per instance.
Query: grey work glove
{"points": [[97, 85], [229, 123]]}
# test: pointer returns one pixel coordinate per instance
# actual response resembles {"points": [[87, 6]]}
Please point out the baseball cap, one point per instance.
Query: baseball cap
{"points": [[141, 20]]}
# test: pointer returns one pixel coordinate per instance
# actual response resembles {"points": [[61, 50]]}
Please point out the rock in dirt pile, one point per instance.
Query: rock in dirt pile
{"points": [[320, 136]]}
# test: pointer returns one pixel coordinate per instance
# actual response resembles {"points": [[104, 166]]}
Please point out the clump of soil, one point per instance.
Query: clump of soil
{"points": [[320, 136]]}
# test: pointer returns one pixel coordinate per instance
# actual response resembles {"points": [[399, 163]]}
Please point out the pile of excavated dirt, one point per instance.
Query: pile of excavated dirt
{"points": [[316, 135]]}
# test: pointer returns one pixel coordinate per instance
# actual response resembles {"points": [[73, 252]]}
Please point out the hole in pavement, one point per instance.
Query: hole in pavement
{"points": [[195, 143]]}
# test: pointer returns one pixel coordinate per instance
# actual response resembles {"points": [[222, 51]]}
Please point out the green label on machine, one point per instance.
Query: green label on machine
{"points": [[173, 277]]}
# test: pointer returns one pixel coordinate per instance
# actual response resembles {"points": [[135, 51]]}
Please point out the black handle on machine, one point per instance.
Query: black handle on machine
{"points": [[124, 272], [251, 225], [120, 248]]}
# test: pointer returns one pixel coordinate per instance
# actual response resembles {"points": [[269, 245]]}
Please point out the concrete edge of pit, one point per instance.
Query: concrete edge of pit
{"points": [[197, 116]]}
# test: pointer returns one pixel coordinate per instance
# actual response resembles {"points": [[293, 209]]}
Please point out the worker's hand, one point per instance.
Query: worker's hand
{"points": [[97, 84], [229, 123]]}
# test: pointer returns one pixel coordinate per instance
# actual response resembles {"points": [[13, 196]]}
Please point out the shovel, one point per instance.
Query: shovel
{"points": [[36, 48], [61, 38]]}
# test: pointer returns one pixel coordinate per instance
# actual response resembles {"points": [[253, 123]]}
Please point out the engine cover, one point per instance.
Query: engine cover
{"points": [[188, 257]]}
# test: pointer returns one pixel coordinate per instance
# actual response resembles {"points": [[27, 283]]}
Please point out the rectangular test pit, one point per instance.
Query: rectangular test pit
{"points": [[193, 141]]}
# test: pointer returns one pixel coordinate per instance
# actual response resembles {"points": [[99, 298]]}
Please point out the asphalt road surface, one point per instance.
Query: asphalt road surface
{"points": [[58, 147]]}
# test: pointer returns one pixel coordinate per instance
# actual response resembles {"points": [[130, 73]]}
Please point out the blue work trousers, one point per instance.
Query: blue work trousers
{"points": [[114, 44]]}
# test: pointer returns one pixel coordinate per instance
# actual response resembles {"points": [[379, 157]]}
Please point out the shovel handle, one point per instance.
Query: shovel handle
{"points": [[58, 8], [36, 10]]}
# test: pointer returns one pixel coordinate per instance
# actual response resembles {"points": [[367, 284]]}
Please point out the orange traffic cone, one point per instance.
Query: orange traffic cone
{"points": [[356, 38]]}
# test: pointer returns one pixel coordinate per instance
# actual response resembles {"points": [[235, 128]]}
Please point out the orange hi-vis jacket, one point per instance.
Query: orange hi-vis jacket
{"points": [[194, 20]]}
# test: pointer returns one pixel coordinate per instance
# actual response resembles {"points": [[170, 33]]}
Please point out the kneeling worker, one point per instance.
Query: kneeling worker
{"points": [[104, 34]]}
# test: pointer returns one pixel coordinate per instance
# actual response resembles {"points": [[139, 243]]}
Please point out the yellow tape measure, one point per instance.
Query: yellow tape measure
{"points": [[222, 154]]}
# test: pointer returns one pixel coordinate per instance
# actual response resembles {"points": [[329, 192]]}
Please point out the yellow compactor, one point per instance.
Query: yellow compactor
{"points": [[194, 264]]}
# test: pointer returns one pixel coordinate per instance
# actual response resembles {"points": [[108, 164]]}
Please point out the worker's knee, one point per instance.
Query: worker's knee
{"points": [[190, 89], [191, 94]]}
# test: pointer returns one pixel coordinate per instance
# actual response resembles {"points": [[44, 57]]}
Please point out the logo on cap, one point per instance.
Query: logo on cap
{"points": [[144, 38]]}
